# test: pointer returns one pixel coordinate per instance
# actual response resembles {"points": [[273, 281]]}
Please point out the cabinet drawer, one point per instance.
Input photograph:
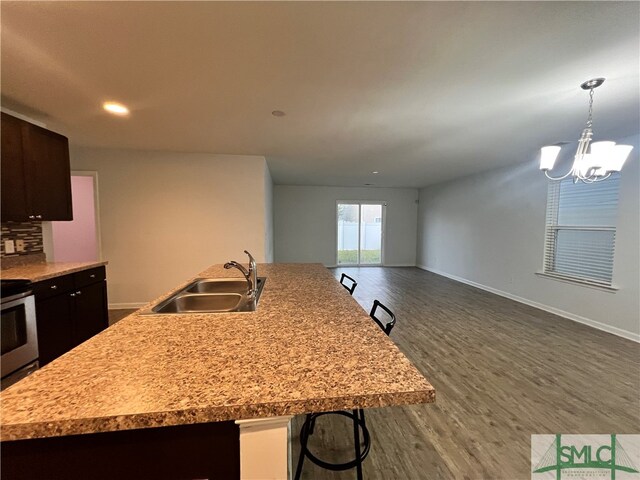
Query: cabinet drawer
{"points": [[87, 277], [53, 286]]}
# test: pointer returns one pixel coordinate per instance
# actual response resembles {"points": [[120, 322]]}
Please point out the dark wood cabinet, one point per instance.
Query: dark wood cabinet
{"points": [[70, 309], [54, 318], [91, 312], [204, 450], [36, 177], [13, 189]]}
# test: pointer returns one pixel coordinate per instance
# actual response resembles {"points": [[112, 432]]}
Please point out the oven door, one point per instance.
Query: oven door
{"points": [[18, 332]]}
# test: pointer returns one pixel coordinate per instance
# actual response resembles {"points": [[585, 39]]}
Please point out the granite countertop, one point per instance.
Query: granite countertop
{"points": [[37, 272], [308, 347]]}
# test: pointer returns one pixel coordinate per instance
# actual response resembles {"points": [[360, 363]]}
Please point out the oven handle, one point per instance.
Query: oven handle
{"points": [[13, 298]]}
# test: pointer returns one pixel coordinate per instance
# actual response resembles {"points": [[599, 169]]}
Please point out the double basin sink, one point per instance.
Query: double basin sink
{"points": [[210, 295]]}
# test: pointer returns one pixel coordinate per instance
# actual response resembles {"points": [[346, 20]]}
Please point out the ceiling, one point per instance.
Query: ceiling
{"points": [[421, 92]]}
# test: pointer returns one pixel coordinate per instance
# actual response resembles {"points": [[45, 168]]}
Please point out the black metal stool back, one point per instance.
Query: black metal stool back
{"points": [[386, 328], [348, 279]]}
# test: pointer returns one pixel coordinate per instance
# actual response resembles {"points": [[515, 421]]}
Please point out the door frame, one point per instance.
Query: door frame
{"points": [[383, 228]]}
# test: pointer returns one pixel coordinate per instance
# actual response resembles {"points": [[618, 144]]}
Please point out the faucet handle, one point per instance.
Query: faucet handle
{"points": [[252, 261]]}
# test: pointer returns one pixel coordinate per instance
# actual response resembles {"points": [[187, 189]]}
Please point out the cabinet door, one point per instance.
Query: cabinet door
{"points": [[55, 326], [14, 200], [48, 174], [91, 316]]}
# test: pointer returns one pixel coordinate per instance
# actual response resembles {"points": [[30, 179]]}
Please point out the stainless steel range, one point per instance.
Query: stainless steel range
{"points": [[18, 331]]}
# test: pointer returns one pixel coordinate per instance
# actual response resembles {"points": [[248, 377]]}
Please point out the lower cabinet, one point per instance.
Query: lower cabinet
{"points": [[69, 310], [91, 314], [54, 317], [204, 450]]}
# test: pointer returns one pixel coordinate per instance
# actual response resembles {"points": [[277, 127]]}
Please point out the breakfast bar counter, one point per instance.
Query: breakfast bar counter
{"points": [[308, 347]]}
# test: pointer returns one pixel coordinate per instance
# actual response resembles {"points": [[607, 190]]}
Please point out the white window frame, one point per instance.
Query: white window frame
{"points": [[551, 229]]}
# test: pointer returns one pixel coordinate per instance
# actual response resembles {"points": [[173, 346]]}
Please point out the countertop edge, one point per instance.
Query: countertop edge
{"points": [[63, 428], [7, 273]]}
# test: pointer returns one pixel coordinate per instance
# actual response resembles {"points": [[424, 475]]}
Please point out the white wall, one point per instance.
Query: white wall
{"points": [[305, 222], [489, 229], [166, 216], [268, 215]]}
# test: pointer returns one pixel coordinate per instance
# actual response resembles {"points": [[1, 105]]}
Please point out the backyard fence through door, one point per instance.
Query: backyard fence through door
{"points": [[360, 228]]}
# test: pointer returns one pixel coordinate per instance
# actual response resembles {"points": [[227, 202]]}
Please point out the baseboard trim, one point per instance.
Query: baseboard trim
{"points": [[119, 306], [556, 311], [370, 266]]}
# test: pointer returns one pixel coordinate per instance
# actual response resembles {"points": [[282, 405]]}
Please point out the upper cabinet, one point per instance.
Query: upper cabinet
{"points": [[36, 178]]}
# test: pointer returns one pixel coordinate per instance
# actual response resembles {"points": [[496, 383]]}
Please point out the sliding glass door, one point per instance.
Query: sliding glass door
{"points": [[360, 233]]}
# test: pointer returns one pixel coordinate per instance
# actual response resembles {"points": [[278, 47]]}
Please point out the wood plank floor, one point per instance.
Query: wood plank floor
{"points": [[502, 371], [118, 314]]}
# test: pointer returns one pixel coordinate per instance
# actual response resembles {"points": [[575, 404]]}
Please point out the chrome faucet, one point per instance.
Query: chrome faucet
{"points": [[250, 275]]}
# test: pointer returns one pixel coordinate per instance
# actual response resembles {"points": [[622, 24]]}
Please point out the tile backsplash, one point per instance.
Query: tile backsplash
{"points": [[30, 232]]}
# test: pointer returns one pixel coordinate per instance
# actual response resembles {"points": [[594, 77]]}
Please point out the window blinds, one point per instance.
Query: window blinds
{"points": [[581, 229]]}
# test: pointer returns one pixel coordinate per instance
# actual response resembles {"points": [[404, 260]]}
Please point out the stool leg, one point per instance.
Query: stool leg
{"points": [[362, 418], [304, 437], [356, 441], [312, 426]]}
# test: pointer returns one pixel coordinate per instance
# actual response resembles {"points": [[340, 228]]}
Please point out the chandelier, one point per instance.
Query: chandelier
{"points": [[600, 162]]}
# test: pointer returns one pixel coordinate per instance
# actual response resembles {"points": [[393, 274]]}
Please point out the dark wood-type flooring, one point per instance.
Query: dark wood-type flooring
{"points": [[502, 371], [118, 314]]}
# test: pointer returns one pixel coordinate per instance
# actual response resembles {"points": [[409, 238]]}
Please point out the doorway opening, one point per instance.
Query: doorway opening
{"points": [[79, 239], [360, 237]]}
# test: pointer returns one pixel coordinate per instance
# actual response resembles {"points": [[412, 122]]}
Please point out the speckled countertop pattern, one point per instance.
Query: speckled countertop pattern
{"points": [[37, 272], [308, 347]]}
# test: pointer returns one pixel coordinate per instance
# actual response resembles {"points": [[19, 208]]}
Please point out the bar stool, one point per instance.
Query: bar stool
{"points": [[386, 328], [353, 286], [356, 415]]}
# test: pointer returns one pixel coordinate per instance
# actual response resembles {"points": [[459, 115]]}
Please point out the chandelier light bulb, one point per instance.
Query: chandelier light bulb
{"points": [[548, 156], [619, 156], [601, 153]]}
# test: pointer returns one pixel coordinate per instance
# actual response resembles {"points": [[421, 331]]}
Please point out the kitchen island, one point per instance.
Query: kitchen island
{"points": [[308, 347]]}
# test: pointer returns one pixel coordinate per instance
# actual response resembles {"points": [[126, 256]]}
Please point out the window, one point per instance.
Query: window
{"points": [[360, 233], [581, 230]]}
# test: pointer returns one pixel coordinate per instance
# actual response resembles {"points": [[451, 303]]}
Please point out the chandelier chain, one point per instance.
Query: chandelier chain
{"points": [[590, 118]]}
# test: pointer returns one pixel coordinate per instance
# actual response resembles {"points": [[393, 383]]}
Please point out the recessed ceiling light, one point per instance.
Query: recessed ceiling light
{"points": [[278, 113], [375, 172], [116, 108]]}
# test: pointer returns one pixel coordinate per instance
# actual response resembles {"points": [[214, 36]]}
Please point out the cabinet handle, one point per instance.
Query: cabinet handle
{"points": [[53, 287], [72, 295], [93, 275], [38, 216], [78, 292], [31, 217]]}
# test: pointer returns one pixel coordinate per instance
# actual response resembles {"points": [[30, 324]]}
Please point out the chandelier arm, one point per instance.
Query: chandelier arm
{"points": [[557, 178], [599, 179]]}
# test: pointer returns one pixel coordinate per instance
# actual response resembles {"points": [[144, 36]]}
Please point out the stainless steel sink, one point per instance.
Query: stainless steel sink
{"points": [[210, 295], [197, 303], [221, 285]]}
